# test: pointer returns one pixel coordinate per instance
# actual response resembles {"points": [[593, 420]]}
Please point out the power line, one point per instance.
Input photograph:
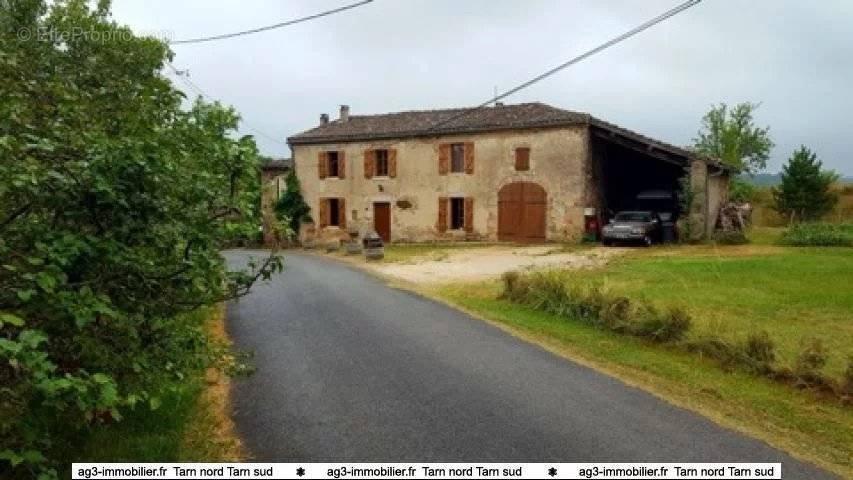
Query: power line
{"points": [[192, 85], [630, 33], [269, 27]]}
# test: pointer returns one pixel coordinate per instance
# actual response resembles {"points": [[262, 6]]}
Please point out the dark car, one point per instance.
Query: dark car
{"points": [[633, 226]]}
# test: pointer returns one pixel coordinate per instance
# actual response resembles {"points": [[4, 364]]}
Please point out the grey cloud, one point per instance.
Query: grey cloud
{"points": [[794, 57]]}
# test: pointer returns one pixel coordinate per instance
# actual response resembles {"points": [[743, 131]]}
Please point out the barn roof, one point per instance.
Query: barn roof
{"points": [[453, 121]]}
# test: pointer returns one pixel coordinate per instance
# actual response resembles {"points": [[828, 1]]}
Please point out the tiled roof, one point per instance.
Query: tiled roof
{"points": [[439, 122], [422, 123], [277, 164]]}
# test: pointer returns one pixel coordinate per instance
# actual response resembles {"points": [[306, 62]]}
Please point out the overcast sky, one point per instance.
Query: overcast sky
{"points": [[794, 57]]}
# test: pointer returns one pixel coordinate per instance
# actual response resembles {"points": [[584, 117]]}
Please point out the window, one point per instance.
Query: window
{"points": [[334, 212], [381, 163], [457, 157], [522, 159], [457, 213], [332, 164]]}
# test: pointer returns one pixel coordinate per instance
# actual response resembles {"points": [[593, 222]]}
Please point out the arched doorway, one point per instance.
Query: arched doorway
{"points": [[521, 212]]}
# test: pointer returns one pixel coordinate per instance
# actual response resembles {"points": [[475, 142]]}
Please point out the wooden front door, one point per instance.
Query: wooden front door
{"points": [[521, 212], [382, 220]]}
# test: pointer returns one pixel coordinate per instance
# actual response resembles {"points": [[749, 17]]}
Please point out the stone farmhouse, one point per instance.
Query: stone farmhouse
{"points": [[523, 173]]}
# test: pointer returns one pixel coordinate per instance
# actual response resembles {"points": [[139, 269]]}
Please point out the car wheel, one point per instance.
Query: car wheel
{"points": [[647, 241]]}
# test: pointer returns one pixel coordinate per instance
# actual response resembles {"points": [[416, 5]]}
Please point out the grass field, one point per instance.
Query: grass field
{"points": [[792, 293]]}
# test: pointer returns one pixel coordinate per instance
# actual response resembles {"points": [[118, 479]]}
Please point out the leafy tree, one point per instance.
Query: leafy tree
{"points": [[113, 203], [730, 135], [804, 191], [291, 206], [741, 190]]}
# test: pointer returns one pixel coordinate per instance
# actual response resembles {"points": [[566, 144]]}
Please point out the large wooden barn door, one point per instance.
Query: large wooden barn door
{"points": [[521, 212]]}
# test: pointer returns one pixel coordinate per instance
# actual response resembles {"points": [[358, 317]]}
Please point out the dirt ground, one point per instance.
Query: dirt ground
{"points": [[488, 262]]}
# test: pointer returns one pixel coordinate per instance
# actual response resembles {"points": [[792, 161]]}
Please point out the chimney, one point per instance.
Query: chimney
{"points": [[324, 119], [344, 113]]}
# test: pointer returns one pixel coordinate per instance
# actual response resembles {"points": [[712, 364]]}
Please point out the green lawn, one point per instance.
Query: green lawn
{"points": [[792, 293], [796, 294]]}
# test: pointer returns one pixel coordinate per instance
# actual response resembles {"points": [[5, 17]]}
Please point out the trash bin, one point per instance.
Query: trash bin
{"points": [[374, 249], [667, 226]]}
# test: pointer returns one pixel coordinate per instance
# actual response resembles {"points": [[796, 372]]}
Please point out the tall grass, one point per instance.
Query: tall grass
{"points": [[818, 235], [550, 292], [554, 292]]}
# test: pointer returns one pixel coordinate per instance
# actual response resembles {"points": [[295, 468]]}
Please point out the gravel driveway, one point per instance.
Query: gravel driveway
{"points": [[488, 262]]}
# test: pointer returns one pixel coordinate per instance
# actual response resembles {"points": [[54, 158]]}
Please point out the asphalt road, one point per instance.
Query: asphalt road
{"points": [[349, 369]]}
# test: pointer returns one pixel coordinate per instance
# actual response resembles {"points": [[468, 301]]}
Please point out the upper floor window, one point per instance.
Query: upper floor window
{"points": [[332, 164], [381, 163], [457, 157], [522, 159]]}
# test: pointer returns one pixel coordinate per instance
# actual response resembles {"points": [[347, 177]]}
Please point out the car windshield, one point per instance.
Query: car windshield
{"points": [[633, 217]]}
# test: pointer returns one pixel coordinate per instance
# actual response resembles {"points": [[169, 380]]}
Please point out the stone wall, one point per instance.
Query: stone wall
{"points": [[558, 158], [272, 185]]}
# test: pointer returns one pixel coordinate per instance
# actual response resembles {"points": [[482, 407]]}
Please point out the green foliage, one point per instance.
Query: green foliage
{"points": [[291, 207], [730, 135], [551, 292], [114, 201], [847, 381], [741, 190], [810, 362], [686, 197], [818, 235], [805, 190], [555, 293], [755, 355]]}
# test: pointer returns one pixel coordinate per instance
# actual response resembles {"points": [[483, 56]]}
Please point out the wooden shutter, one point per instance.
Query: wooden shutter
{"points": [[324, 213], [469, 157], [342, 213], [443, 158], [392, 162], [441, 224], [342, 164], [469, 214], [369, 163], [321, 165], [522, 159]]}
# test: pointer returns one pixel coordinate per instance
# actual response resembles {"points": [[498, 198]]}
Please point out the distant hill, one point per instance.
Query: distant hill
{"points": [[770, 179]]}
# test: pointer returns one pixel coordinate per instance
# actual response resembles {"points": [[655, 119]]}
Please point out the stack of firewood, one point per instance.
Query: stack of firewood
{"points": [[734, 217]]}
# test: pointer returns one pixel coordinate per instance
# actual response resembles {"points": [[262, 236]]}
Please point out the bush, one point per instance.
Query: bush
{"points": [[550, 292], [847, 380], [741, 190], [661, 326], [818, 235], [809, 363], [755, 355], [115, 201], [759, 350], [723, 352]]}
